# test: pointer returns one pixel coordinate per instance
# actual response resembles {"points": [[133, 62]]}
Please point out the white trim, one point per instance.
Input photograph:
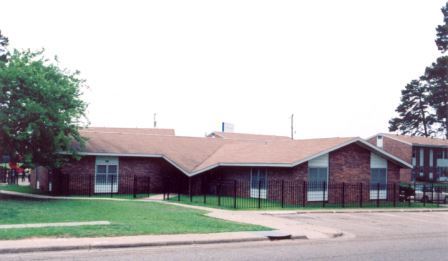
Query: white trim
{"points": [[319, 195], [254, 192], [106, 187], [375, 193]]}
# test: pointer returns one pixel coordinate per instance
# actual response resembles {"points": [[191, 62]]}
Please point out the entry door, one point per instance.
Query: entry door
{"points": [[106, 175], [258, 183]]}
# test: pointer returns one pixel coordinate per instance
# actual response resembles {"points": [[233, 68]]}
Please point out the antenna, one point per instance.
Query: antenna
{"points": [[155, 121], [292, 126]]}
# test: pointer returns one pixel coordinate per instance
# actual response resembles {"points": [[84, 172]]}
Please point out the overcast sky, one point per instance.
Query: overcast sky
{"points": [[338, 66]]}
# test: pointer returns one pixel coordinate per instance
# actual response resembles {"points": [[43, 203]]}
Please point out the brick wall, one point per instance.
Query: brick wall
{"points": [[350, 165], [400, 150], [157, 170]]}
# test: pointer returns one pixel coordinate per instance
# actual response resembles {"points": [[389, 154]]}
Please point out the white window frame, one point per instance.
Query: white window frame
{"points": [[319, 162], [377, 162], [107, 187], [254, 191]]}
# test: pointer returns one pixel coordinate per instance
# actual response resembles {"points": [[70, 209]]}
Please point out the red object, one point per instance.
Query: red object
{"points": [[19, 170], [13, 165]]}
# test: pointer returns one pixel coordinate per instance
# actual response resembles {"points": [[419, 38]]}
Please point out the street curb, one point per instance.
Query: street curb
{"points": [[142, 244], [286, 212]]}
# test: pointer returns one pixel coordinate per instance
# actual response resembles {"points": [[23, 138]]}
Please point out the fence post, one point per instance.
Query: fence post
{"points": [[219, 193], [259, 193], [304, 190], [90, 185], [323, 193], [283, 193], [190, 194], [438, 196], [68, 185], [205, 190], [395, 192], [234, 194], [378, 195], [111, 186], [343, 194], [149, 186], [424, 195], [432, 191], [360, 194], [178, 191], [134, 187], [410, 188]]}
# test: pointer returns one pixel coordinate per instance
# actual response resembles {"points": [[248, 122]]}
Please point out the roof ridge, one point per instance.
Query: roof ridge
{"points": [[223, 144]]}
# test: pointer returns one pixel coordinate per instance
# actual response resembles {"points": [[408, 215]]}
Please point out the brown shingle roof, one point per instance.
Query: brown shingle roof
{"points": [[150, 131], [195, 155], [246, 136], [418, 140]]}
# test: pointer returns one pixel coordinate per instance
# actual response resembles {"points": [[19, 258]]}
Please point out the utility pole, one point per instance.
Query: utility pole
{"points": [[292, 126], [155, 122]]}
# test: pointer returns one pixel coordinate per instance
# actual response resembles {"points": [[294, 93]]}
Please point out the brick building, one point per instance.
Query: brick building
{"points": [[428, 156], [116, 154]]}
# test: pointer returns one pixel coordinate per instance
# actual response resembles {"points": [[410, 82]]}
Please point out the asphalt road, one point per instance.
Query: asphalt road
{"points": [[369, 236]]}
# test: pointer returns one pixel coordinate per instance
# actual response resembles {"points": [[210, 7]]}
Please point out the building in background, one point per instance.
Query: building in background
{"points": [[428, 156]]}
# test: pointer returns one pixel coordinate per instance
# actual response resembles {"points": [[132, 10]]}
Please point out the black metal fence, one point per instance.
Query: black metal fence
{"points": [[100, 186], [10, 176], [280, 194]]}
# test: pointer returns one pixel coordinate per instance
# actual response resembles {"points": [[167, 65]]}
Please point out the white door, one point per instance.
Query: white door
{"points": [[106, 175]]}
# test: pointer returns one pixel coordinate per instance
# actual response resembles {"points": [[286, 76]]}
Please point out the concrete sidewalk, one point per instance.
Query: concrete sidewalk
{"points": [[64, 244]]}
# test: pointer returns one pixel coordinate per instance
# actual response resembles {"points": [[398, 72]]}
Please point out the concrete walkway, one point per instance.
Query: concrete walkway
{"points": [[286, 226], [56, 224]]}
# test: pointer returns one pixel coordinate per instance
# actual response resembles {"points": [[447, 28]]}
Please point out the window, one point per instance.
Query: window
{"points": [[318, 179], [258, 182], [414, 153], [431, 157], [421, 157], [378, 177], [378, 183], [379, 141], [106, 175]]}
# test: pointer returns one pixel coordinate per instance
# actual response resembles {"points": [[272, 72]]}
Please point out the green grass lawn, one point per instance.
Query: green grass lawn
{"points": [[226, 202], [22, 189], [127, 218]]}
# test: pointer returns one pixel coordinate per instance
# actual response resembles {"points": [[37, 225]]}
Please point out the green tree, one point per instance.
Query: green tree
{"points": [[436, 77], [3, 45], [40, 109], [414, 117], [442, 31]]}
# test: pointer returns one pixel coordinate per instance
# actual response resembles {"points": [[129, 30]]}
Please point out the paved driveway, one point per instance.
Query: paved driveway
{"points": [[384, 225]]}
